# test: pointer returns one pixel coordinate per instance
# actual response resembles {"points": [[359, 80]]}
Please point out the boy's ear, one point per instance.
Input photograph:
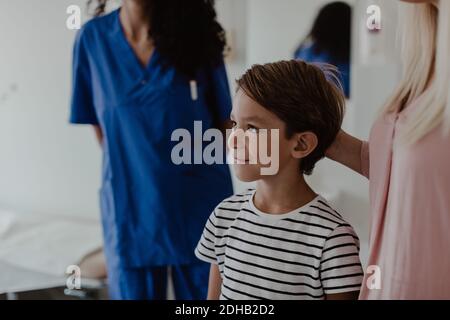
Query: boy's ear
{"points": [[304, 144]]}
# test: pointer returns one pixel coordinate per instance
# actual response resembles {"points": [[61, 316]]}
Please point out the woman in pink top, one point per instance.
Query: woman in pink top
{"points": [[407, 160]]}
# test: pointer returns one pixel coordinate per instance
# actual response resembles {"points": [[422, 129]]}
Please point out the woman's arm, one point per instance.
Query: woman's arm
{"points": [[215, 283], [353, 295], [347, 150]]}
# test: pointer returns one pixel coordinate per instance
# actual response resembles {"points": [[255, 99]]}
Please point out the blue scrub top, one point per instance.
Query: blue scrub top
{"points": [[153, 211], [308, 53]]}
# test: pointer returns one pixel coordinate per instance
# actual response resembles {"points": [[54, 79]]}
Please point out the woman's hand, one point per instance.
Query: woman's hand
{"points": [[346, 150], [333, 151]]}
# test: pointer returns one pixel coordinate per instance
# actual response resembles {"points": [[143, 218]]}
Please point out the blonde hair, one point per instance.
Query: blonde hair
{"points": [[425, 35]]}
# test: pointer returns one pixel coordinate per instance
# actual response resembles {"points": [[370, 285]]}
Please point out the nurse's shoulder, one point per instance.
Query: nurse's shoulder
{"points": [[97, 27]]}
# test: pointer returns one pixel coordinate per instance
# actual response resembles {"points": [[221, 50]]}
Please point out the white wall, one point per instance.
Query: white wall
{"points": [[45, 164], [376, 64], [232, 14], [276, 28]]}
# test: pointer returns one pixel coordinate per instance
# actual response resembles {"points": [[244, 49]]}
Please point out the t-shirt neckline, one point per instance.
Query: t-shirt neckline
{"points": [[282, 216]]}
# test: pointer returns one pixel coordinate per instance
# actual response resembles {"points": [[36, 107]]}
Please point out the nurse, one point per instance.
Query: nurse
{"points": [[139, 73], [330, 40]]}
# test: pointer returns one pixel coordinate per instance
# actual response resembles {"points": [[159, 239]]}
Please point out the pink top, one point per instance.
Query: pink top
{"points": [[410, 206]]}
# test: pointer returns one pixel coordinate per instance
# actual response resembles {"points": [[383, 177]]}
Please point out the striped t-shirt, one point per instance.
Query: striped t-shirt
{"points": [[304, 254]]}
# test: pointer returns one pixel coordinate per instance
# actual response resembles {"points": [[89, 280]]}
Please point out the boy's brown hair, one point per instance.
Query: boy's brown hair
{"points": [[300, 94]]}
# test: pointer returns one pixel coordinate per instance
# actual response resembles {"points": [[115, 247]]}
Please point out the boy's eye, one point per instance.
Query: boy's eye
{"points": [[252, 129]]}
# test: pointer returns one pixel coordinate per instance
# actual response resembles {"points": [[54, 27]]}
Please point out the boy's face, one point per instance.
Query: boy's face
{"points": [[265, 138]]}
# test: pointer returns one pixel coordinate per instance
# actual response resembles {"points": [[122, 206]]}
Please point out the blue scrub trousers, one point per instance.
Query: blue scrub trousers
{"points": [[190, 282]]}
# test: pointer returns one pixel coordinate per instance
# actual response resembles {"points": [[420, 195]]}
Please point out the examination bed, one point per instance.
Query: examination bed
{"points": [[37, 250]]}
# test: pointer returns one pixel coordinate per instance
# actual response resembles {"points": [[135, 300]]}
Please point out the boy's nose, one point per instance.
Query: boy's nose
{"points": [[237, 139]]}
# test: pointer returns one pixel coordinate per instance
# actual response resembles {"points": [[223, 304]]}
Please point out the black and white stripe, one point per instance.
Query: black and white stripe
{"points": [[305, 254]]}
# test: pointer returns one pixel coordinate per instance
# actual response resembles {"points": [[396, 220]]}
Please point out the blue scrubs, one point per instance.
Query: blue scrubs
{"points": [[307, 53], [153, 211]]}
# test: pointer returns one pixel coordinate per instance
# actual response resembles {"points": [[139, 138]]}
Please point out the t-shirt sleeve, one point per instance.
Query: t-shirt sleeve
{"points": [[340, 267], [221, 92], [205, 249], [82, 105]]}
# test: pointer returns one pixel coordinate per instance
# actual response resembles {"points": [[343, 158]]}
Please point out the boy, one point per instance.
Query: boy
{"points": [[282, 240]]}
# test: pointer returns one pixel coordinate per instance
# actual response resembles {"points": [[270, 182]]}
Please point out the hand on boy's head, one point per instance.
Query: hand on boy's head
{"points": [[333, 149]]}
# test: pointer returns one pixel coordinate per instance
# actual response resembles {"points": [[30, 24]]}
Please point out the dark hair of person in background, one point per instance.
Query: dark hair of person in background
{"points": [[331, 31], [186, 33]]}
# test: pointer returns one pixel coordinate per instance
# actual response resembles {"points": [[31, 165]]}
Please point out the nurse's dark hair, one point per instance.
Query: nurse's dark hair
{"points": [[331, 31], [186, 33], [306, 97]]}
